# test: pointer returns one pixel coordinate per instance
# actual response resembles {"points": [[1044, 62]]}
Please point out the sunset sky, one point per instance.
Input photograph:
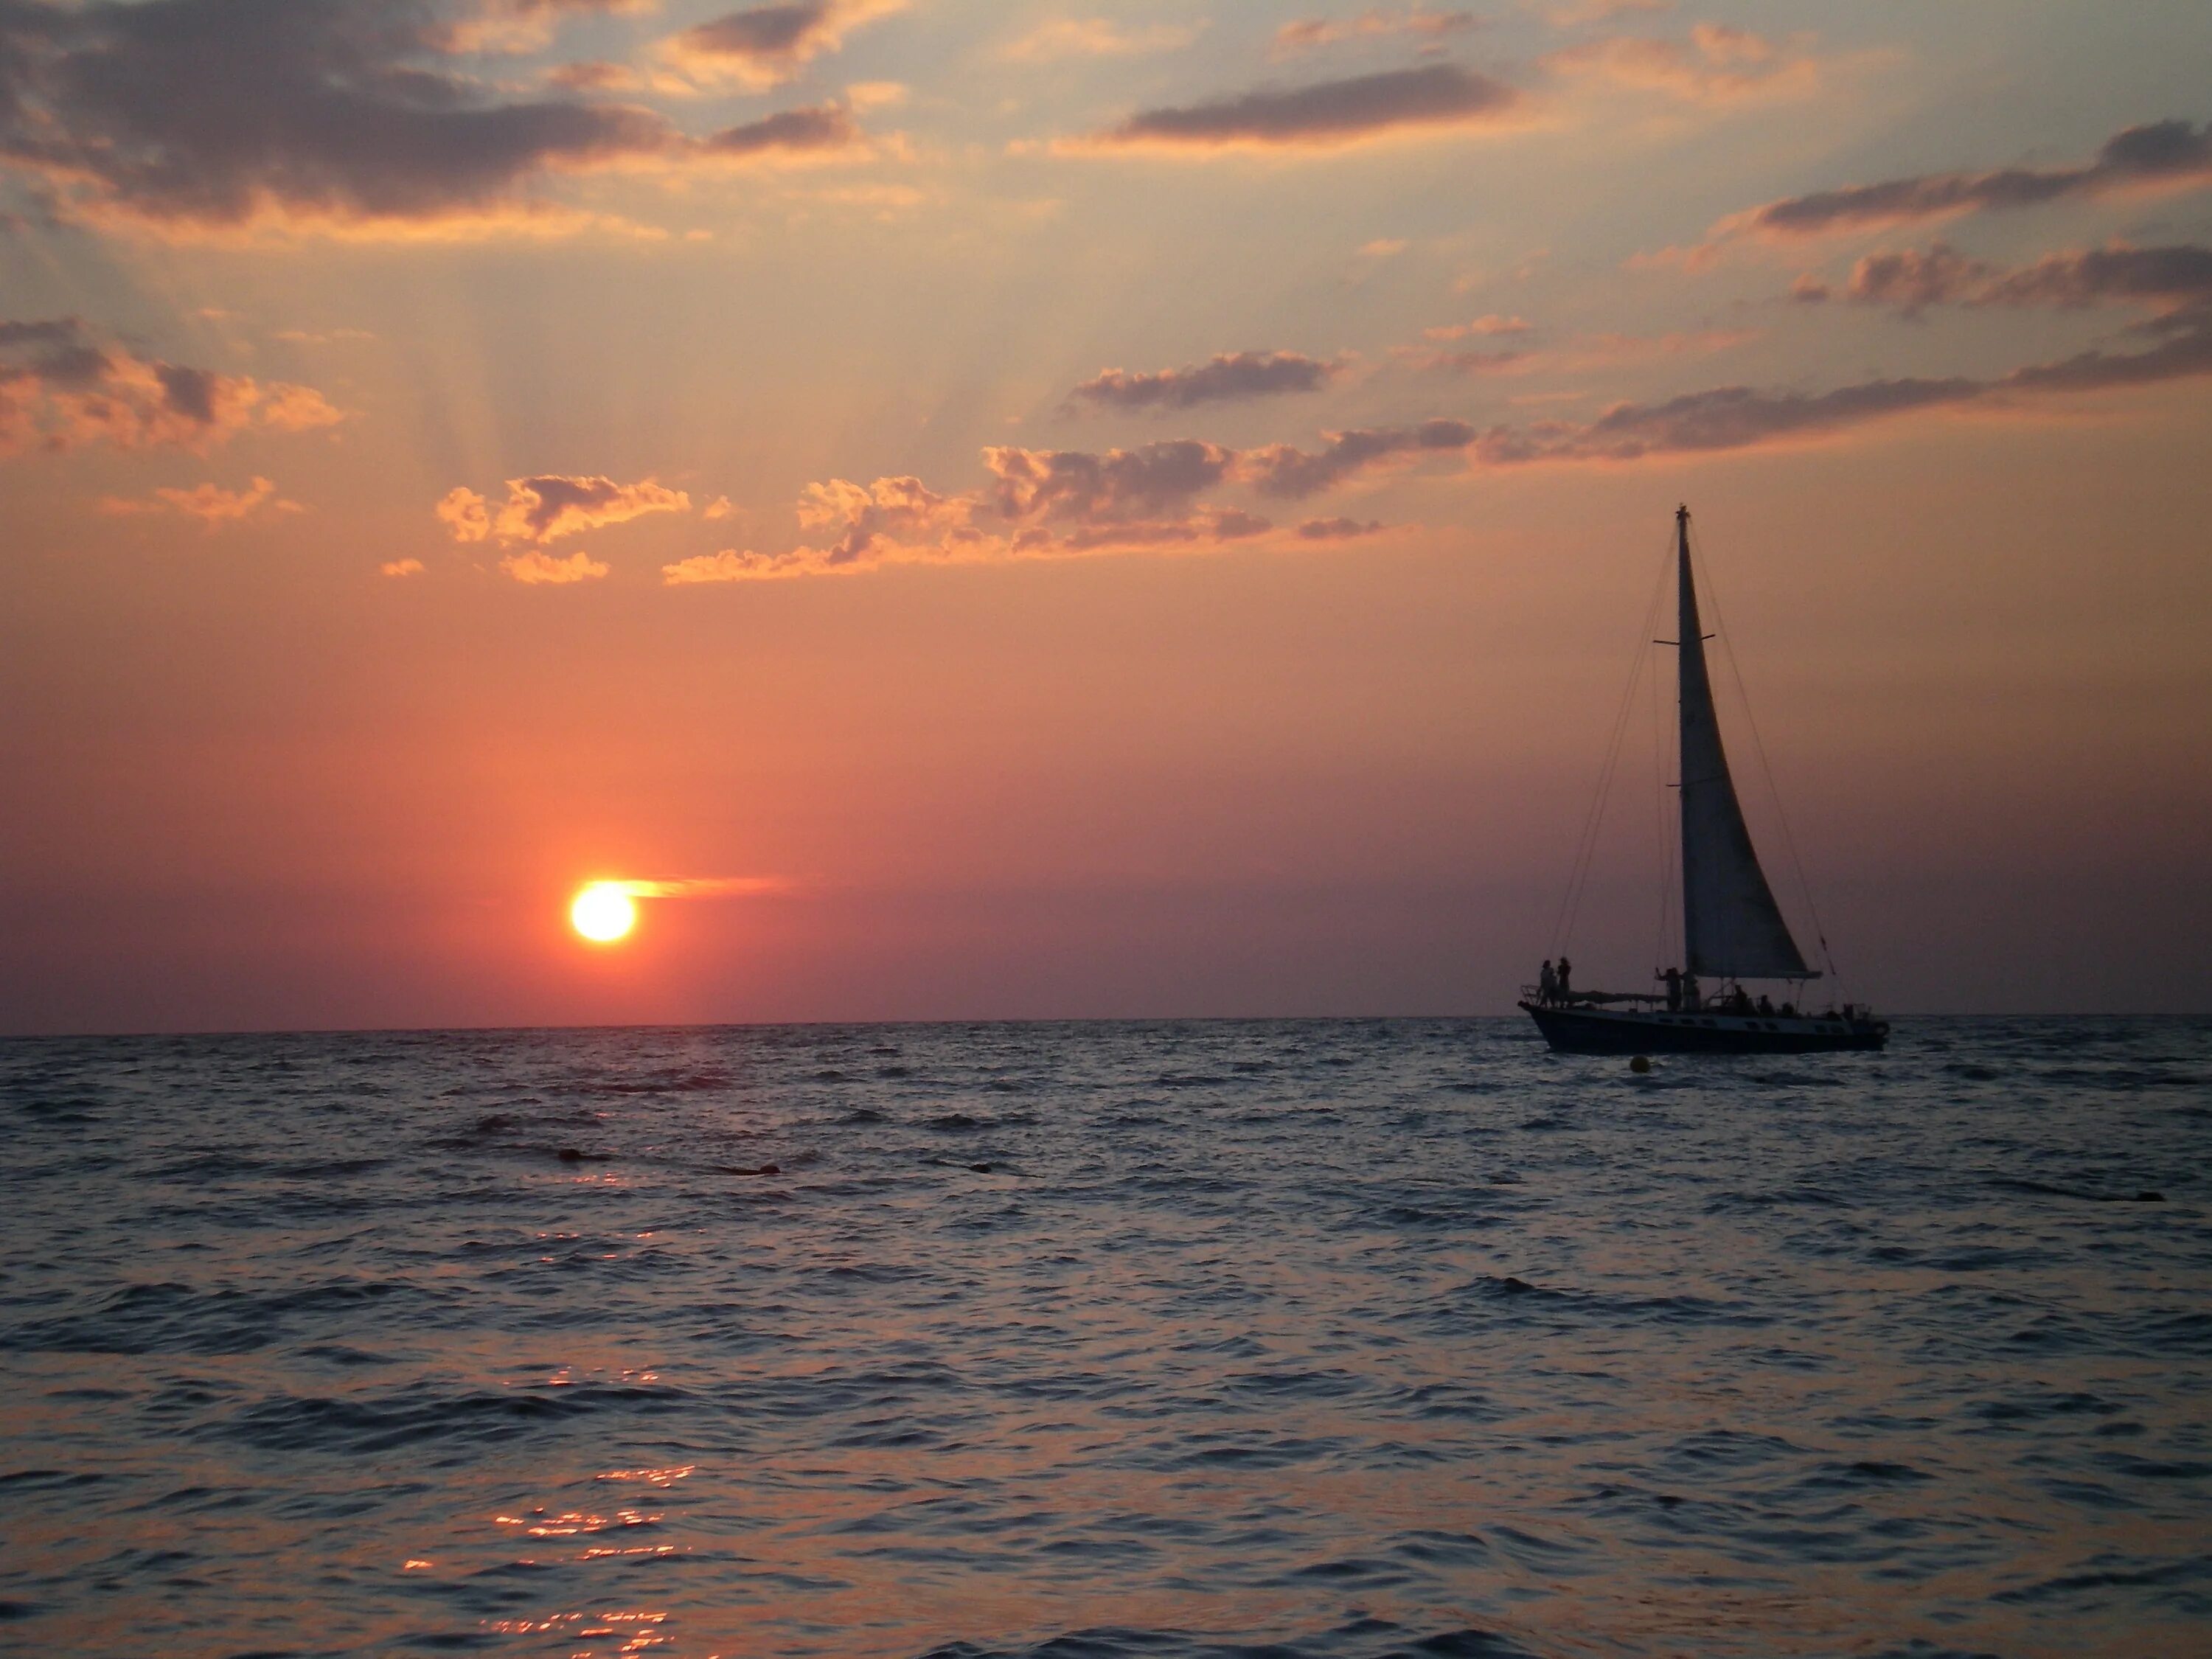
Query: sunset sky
{"points": [[990, 509]]}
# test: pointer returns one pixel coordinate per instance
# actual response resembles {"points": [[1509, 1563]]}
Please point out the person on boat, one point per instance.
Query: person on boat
{"points": [[1692, 999], [1673, 978], [1789, 1011], [1547, 983], [1766, 1006], [1741, 1002], [1566, 991]]}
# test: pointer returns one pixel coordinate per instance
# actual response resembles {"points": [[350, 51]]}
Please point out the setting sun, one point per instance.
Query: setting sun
{"points": [[602, 912]]}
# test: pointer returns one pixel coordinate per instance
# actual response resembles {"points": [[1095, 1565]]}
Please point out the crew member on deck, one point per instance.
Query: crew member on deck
{"points": [[1566, 991], [1673, 978], [1547, 983]]}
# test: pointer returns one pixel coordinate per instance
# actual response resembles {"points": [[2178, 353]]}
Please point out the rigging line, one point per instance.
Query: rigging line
{"points": [[1758, 747], [1586, 842], [1665, 842], [1594, 824]]}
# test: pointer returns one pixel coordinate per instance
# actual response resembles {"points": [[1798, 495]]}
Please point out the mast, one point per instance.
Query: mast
{"points": [[1731, 926]]}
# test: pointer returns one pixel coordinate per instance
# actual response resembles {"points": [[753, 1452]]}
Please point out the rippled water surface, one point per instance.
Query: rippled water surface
{"points": [[1305, 1338]]}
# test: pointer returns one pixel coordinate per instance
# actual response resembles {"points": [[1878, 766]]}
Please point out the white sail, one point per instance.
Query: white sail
{"points": [[1731, 926]]}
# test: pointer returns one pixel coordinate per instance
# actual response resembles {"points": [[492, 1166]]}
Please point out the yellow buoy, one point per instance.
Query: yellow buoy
{"points": [[1640, 1065]]}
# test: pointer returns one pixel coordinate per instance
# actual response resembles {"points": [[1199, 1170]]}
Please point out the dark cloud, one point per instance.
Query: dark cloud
{"points": [[796, 131], [2177, 276], [591, 74], [556, 8], [1912, 279], [212, 110], [1476, 363], [1738, 418], [1328, 113], [197, 114], [1152, 481], [1283, 470], [767, 45], [58, 351], [1227, 376], [1337, 529], [64, 386], [2173, 278], [1729, 417], [2161, 152], [1726, 417], [763, 32]]}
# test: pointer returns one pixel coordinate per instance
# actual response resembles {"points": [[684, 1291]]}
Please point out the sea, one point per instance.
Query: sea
{"points": [[1303, 1339]]}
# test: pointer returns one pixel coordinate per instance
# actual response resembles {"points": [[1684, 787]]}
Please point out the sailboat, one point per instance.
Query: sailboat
{"points": [[1732, 929]]}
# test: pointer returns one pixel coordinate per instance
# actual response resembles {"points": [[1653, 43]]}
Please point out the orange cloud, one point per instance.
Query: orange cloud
{"points": [[549, 505], [211, 504], [727, 566], [401, 568], [1045, 503], [62, 386], [1492, 325], [1720, 65], [1094, 36], [1307, 33], [464, 512], [1040, 504], [520, 26], [702, 887], [533, 567]]}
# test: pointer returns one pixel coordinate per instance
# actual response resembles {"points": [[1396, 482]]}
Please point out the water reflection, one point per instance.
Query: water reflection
{"points": [[1347, 1337]]}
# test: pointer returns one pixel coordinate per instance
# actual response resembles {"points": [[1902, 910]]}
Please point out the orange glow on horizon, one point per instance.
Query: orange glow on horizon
{"points": [[602, 912]]}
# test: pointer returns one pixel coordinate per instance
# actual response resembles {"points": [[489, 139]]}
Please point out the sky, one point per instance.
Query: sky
{"points": [[1007, 510]]}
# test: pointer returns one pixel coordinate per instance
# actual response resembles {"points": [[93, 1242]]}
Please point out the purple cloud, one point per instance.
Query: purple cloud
{"points": [[1226, 376], [2162, 153], [190, 114], [1435, 97]]}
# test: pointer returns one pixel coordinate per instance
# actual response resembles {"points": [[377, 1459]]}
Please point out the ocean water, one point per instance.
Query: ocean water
{"points": [[1328, 1338]]}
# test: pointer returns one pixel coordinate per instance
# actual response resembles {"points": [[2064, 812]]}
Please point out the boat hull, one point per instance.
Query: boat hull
{"points": [[1587, 1030]]}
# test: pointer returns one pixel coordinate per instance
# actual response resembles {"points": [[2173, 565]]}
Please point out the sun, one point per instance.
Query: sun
{"points": [[602, 912]]}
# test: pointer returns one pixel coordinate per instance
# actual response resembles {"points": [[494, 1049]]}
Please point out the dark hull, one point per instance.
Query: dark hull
{"points": [[1611, 1031]]}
